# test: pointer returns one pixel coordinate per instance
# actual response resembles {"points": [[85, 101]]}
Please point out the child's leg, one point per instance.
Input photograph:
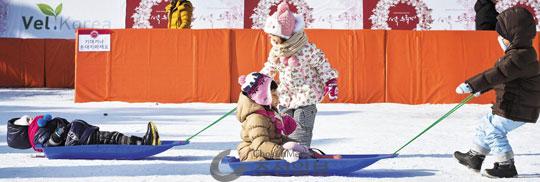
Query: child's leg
{"points": [[492, 133], [107, 137], [305, 119], [479, 141]]}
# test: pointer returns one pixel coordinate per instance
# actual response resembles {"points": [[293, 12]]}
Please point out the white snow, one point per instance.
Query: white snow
{"points": [[339, 128]]}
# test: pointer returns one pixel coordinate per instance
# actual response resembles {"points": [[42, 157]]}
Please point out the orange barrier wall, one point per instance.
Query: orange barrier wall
{"points": [[36, 63], [427, 66], [159, 65]]}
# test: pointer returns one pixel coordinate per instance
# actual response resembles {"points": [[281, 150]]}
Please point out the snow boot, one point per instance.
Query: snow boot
{"points": [[505, 169], [151, 137], [471, 159]]}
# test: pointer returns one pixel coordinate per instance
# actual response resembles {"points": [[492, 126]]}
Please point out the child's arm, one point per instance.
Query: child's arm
{"points": [[321, 64], [509, 68], [42, 136], [260, 141], [269, 68]]}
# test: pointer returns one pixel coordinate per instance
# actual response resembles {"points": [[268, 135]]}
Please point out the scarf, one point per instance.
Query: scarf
{"points": [[289, 47]]}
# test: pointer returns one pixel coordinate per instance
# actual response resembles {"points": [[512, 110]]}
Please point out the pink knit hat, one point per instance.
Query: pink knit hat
{"points": [[283, 22], [257, 87]]}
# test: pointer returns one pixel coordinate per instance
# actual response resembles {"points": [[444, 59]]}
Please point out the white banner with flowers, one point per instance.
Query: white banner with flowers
{"points": [[423, 15], [323, 14], [58, 18], [208, 14]]}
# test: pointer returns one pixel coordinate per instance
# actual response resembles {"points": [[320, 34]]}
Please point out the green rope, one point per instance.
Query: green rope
{"points": [[470, 97], [212, 124]]}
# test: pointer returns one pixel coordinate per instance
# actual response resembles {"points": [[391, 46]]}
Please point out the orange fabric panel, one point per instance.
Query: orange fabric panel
{"points": [[59, 63], [170, 77], [354, 55], [130, 66], [248, 54], [22, 62], [11, 74], [212, 65], [369, 66], [160, 65], [91, 75], [427, 66], [33, 62]]}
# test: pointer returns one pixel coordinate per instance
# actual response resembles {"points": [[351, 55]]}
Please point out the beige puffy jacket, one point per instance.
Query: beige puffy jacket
{"points": [[260, 139]]}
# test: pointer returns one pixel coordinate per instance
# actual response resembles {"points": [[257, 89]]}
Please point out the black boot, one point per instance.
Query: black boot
{"points": [[151, 137], [470, 159], [505, 169]]}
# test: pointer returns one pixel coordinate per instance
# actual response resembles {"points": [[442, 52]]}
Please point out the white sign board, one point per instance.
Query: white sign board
{"points": [[59, 18], [94, 41]]}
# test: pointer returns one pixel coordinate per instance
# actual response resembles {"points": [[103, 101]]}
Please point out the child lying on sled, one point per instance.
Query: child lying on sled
{"points": [[26, 132], [264, 130]]}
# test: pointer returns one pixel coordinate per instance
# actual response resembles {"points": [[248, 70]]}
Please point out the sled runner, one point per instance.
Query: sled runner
{"points": [[326, 166], [126, 152]]}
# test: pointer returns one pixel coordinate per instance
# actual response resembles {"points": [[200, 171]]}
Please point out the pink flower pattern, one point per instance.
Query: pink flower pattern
{"points": [[301, 84]]}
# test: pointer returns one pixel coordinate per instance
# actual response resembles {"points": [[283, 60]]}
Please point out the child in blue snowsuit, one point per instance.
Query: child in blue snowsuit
{"points": [[516, 81]]}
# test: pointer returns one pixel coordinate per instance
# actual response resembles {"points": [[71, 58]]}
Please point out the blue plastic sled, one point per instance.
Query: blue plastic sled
{"points": [[313, 167], [126, 152]]}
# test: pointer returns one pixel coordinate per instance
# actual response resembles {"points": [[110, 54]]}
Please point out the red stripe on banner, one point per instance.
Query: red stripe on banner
{"points": [[88, 31], [249, 6]]}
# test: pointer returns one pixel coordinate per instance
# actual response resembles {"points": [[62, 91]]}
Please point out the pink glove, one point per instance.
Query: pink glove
{"points": [[331, 89], [289, 124]]}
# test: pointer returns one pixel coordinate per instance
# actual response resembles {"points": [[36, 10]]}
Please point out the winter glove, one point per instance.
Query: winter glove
{"points": [[42, 122], [331, 89], [464, 88], [300, 151], [291, 156], [289, 124], [296, 147]]}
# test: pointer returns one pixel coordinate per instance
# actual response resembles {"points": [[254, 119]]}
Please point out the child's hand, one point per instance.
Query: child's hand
{"points": [[291, 156], [464, 88], [331, 89], [295, 147]]}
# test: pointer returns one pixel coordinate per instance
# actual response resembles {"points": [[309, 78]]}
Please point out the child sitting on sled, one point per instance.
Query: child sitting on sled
{"points": [[25, 132], [264, 130], [516, 81]]}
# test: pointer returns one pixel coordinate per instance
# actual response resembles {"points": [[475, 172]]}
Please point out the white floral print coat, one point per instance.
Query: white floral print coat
{"points": [[301, 83]]}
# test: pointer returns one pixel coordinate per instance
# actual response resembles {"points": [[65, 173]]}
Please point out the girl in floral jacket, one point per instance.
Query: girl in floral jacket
{"points": [[305, 76]]}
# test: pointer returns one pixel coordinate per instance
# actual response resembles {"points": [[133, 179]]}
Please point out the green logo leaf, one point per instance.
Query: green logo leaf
{"points": [[58, 9], [46, 9]]}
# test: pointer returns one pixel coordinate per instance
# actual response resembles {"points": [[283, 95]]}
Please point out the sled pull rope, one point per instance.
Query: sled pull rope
{"points": [[463, 102], [212, 124]]}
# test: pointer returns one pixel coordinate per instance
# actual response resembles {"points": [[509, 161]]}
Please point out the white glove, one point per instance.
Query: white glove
{"points": [[291, 156], [296, 147], [465, 89]]}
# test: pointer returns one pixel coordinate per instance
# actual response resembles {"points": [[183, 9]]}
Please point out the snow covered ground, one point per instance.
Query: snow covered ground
{"points": [[339, 128]]}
